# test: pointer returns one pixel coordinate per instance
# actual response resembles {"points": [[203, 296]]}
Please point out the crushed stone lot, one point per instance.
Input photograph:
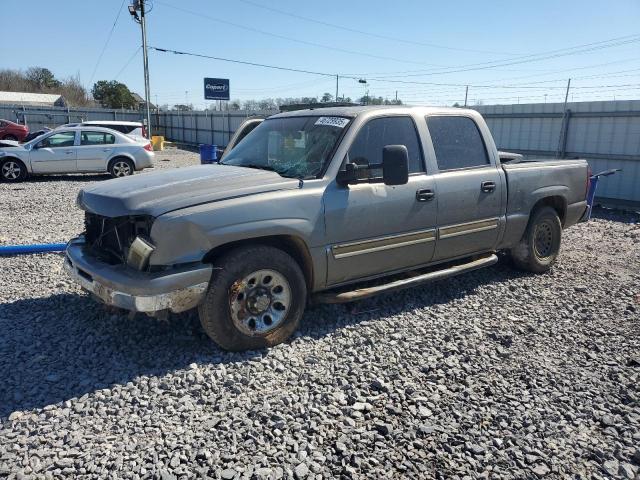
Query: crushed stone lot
{"points": [[494, 374]]}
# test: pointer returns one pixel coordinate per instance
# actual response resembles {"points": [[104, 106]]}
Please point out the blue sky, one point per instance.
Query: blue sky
{"points": [[424, 41]]}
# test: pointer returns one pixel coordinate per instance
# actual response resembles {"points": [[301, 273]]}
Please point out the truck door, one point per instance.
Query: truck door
{"points": [[375, 228], [54, 154], [470, 188]]}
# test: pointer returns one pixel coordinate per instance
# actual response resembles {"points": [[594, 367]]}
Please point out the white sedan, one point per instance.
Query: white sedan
{"points": [[76, 150]]}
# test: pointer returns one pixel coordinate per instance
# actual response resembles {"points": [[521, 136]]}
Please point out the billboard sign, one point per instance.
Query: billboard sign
{"points": [[216, 89]]}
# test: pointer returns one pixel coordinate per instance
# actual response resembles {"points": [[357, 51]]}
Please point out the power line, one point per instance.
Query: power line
{"points": [[535, 57], [128, 62], [291, 39], [488, 65], [276, 67], [375, 35], [104, 47], [253, 64]]}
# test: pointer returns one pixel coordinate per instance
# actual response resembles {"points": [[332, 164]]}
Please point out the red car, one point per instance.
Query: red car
{"points": [[12, 131]]}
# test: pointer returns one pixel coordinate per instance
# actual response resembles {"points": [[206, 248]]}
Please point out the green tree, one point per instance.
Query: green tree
{"points": [[113, 94], [326, 97], [42, 78]]}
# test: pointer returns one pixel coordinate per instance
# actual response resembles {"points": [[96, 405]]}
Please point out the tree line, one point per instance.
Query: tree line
{"points": [[42, 80], [114, 94]]}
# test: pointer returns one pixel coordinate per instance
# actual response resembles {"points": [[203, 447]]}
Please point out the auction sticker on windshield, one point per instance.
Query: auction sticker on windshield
{"points": [[333, 121]]}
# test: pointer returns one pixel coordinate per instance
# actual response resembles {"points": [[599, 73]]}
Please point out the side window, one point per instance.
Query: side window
{"points": [[457, 142], [96, 138], [62, 139], [378, 133]]}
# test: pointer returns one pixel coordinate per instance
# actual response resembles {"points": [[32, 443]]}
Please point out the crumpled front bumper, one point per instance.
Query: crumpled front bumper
{"points": [[178, 289]]}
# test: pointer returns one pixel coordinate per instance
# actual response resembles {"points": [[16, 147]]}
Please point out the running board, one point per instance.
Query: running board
{"points": [[361, 293]]}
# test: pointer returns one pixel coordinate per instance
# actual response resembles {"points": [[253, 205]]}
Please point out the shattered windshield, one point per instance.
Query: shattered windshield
{"points": [[296, 147]]}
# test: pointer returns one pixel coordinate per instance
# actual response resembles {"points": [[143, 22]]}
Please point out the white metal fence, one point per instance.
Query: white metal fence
{"points": [[607, 134]]}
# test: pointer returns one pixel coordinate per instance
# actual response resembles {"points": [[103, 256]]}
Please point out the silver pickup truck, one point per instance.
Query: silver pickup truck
{"points": [[320, 205]]}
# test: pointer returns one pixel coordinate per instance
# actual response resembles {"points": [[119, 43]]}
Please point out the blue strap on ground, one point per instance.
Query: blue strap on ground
{"points": [[26, 249]]}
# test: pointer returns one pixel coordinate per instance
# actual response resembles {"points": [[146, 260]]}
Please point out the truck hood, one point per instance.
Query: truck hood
{"points": [[161, 192]]}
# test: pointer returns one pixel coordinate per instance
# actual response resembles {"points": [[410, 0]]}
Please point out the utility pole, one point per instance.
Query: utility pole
{"points": [[396, 96], [466, 94], [133, 10], [566, 95], [337, 88]]}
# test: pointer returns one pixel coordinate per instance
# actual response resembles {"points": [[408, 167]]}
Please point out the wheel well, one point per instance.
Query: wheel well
{"points": [[290, 244], [15, 159], [558, 203], [124, 157]]}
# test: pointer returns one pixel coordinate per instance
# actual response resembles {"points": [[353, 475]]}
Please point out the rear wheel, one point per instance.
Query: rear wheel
{"points": [[121, 167], [12, 170], [540, 244], [256, 299]]}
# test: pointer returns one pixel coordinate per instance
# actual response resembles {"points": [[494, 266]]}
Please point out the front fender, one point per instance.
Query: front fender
{"points": [[185, 241], [187, 235]]}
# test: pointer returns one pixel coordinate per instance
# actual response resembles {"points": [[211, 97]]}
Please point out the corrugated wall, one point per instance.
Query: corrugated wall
{"points": [[184, 127], [607, 134]]}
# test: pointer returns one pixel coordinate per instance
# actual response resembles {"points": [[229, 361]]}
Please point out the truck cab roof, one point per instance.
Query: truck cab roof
{"points": [[354, 111]]}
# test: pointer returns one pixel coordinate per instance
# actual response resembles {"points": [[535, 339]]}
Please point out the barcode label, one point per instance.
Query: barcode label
{"points": [[339, 122]]}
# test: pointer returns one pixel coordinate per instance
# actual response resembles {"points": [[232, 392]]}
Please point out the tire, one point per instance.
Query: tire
{"points": [[234, 312], [13, 170], [121, 167], [540, 244], [10, 137]]}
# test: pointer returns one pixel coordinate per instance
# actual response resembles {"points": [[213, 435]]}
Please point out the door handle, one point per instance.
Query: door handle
{"points": [[106, 149], [425, 195], [69, 152], [488, 186]]}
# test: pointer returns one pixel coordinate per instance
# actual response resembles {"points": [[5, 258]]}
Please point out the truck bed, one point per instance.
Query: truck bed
{"points": [[529, 181]]}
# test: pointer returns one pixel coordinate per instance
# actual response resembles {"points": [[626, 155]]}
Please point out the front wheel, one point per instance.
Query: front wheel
{"points": [[121, 167], [540, 244], [256, 299], [13, 170]]}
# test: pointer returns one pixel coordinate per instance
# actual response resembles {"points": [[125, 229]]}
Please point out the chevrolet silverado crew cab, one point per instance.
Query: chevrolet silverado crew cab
{"points": [[326, 205]]}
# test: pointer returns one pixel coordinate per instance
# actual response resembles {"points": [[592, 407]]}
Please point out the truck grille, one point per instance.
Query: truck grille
{"points": [[109, 238]]}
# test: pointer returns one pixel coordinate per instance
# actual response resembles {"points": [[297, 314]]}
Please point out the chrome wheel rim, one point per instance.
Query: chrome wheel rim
{"points": [[11, 170], [543, 240], [259, 302], [121, 169]]}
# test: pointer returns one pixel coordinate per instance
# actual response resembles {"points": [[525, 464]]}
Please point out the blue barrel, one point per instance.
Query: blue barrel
{"points": [[208, 153]]}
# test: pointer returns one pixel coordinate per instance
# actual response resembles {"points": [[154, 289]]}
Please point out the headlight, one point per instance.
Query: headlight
{"points": [[139, 253]]}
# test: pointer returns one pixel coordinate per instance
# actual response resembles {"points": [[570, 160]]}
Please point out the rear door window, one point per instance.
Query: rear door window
{"points": [[457, 142], [380, 132], [96, 138]]}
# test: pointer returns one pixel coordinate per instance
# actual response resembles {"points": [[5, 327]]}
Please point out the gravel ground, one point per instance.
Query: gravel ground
{"points": [[496, 374]]}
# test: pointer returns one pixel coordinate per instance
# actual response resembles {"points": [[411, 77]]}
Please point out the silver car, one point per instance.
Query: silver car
{"points": [[76, 150]]}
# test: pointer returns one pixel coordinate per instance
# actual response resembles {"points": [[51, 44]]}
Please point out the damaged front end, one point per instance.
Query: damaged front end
{"points": [[111, 260], [120, 240]]}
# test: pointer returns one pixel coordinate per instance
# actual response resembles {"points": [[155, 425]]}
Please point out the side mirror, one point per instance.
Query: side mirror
{"points": [[395, 165]]}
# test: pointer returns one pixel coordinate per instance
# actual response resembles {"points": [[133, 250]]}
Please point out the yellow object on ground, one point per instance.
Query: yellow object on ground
{"points": [[158, 143]]}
